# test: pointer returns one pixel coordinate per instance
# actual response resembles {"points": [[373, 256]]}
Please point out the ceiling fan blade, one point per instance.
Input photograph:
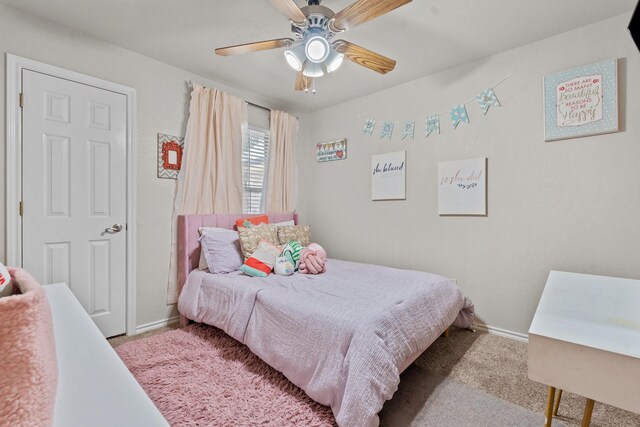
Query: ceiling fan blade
{"points": [[254, 47], [291, 10], [302, 82], [365, 57], [362, 11]]}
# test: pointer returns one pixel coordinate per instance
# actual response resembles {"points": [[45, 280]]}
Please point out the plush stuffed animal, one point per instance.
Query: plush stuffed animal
{"points": [[291, 251], [313, 259], [283, 267]]}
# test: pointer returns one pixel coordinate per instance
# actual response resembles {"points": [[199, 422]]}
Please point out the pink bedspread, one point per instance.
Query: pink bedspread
{"points": [[341, 336]]}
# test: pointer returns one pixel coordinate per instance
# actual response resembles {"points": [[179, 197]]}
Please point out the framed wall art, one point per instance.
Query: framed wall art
{"points": [[388, 176], [582, 101], [169, 155], [332, 150], [462, 187]]}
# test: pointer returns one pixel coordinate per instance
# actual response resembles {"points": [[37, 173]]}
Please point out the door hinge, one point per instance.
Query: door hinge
{"points": [[21, 207], [21, 100]]}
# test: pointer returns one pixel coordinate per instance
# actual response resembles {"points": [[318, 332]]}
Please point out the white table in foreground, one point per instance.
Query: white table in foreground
{"points": [[585, 338], [95, 388]]}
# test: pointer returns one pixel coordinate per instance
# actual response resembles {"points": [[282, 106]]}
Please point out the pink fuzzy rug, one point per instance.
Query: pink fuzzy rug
{"points": [[199, 376]]}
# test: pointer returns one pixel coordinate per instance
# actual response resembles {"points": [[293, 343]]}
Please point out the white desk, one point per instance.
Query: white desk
{"points": [[585, 338], [95, 388]]}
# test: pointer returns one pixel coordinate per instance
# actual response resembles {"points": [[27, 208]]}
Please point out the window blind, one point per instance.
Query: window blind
{"points": [[254, 164]]}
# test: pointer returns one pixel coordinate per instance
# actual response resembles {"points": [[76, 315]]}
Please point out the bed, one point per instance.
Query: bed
{"points": [[343, 336]]}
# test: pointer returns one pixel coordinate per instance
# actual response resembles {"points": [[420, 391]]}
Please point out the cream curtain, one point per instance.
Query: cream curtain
{"points": [[282, 170], [210, 181]]}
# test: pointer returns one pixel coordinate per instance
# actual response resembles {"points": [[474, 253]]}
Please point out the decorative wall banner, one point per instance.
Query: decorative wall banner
{"points": [[432, 124], [486, 99], [457, 114], [582, 101], [387, 130], [408, 129], [388, 172], [462, 187], [368, 126], [169, 155], [332, 150]]}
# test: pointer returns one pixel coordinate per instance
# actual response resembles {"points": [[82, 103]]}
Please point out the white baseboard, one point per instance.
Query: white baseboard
{"points": [[502, 332], [157, 324]]}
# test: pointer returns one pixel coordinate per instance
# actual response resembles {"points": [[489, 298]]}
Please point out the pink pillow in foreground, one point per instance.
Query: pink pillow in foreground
{"points": [[28, 366]]}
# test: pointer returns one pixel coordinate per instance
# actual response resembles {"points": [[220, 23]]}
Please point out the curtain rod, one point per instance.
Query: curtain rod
{"points": [[250, 103], [258, 106]]}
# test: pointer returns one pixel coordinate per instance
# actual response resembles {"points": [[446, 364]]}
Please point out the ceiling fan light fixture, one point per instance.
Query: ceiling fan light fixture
{"points": [[295, 58], [334, 61], [313, 70], [317, 49]]}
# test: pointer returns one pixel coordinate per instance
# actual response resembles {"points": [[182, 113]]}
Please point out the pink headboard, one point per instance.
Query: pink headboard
{"points": [[188, 245]]}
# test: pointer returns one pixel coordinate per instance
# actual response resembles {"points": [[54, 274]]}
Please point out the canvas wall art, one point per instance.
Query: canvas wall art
{"points": [[582, 101], [388, 176], [169, 155], [462, 187]]}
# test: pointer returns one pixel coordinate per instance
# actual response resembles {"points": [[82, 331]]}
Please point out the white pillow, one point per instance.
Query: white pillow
{"points": [[202, 264], [283, 223]]}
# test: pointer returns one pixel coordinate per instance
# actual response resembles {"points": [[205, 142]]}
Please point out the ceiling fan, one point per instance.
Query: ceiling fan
{"points": [[313, 50]]}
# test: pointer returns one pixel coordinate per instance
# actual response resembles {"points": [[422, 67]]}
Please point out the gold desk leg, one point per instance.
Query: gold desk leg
{"points": [[588, 410], [549, 415], [557, 405], [446, 333]]}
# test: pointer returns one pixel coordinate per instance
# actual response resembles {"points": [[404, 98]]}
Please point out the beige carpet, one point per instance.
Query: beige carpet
{"points": [[499, 366], [494, 365]]}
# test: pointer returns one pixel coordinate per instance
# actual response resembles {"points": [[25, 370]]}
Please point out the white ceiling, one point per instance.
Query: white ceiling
{"points": [[425, 37]]}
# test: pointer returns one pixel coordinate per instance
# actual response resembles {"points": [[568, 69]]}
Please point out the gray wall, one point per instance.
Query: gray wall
{"points": [[162, 95], [566, 205]]}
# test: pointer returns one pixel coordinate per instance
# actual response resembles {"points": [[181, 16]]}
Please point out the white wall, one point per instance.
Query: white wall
{"points": [[567, 205], [162, 95]]}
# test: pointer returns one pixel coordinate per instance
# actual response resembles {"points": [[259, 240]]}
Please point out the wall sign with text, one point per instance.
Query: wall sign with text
{"points": [[332, 150], [582, 101], [388, 176], [462, 187]]}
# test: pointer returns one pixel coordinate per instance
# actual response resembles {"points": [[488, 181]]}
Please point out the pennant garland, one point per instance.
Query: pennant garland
{"points": [[486, 99], [432, 124], [408, 129], [457, 114], [368, 126], [387, 129]]}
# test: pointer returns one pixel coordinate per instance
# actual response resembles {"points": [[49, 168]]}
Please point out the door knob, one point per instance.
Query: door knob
{"points": [[115, 228]]}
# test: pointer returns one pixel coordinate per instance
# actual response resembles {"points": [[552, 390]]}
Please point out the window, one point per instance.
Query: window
{"points": [[254, 164]]}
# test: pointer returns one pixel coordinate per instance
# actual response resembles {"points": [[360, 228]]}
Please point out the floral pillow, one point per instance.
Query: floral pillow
{"points": [[301, 233], [251, 236]]}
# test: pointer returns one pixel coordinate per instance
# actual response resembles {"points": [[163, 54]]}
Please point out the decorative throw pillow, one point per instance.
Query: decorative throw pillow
{"points": [[301, 233], [202, 264], [221, 251], [250, 237], [291, 252], [261, 262], [251, 221], [283, 223]]}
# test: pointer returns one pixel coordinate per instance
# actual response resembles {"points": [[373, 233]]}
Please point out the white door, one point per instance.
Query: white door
{"points": [[74, 192]]}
